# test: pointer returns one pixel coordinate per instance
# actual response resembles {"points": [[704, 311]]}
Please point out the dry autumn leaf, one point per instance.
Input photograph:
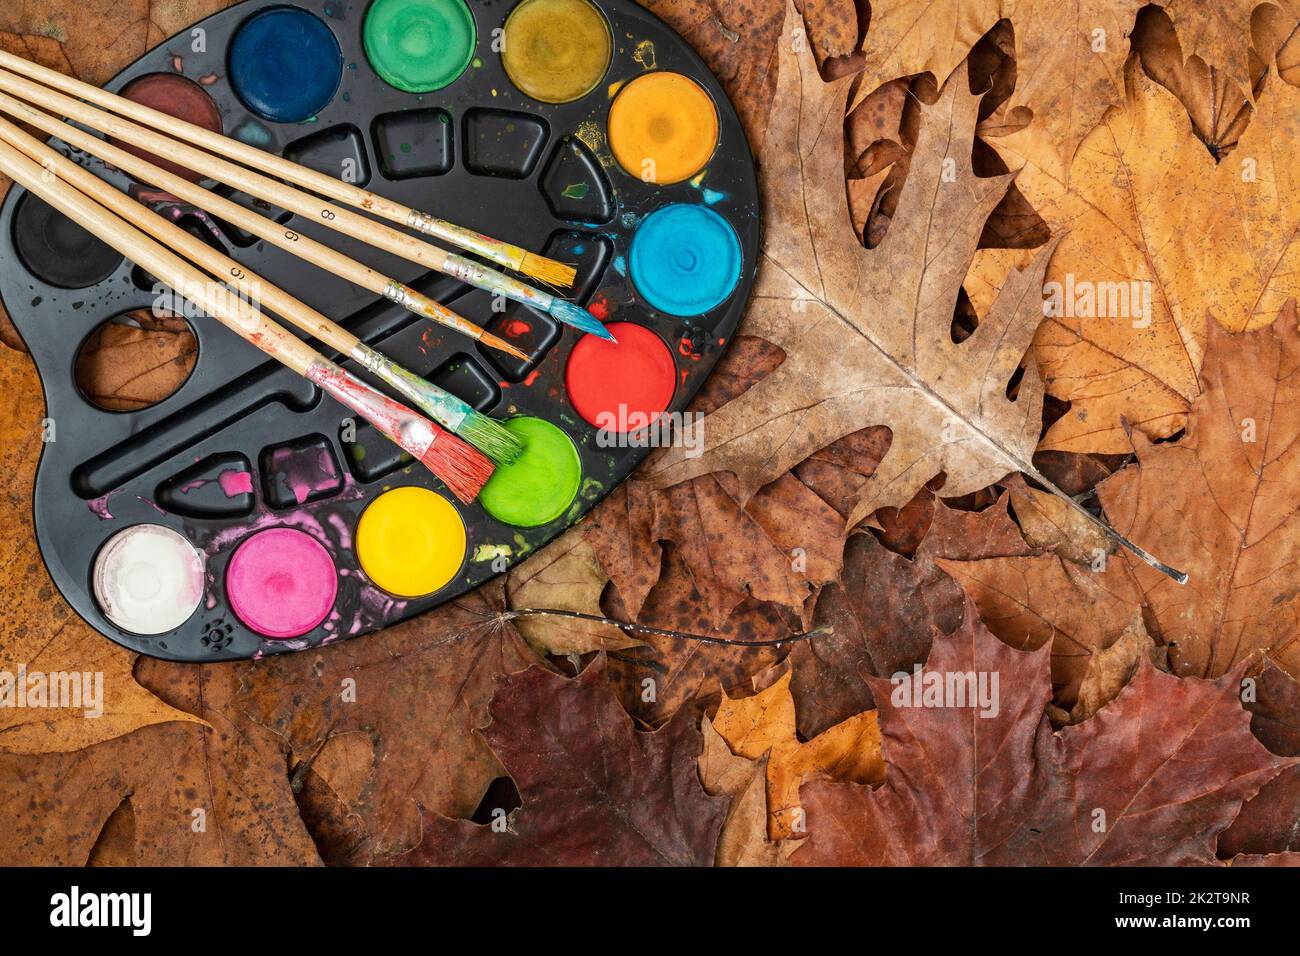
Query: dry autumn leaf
{"points": [[764, 724], [1222, 501], [338, 750], [732, 550], [566, 576], [671, 673], [1270, 822], [1070, 57], [866, 333], [1150, 780], [1219, 501], [743, 840], [1158, 240], [595, 789], [885, 610]]}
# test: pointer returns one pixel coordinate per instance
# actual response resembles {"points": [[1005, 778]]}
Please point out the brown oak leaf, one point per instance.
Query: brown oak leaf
{"points": [[1150, 780], [867, 333], [596, 791]]}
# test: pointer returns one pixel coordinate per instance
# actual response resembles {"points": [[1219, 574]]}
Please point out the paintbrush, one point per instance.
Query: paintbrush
{"points": [[481, 431], [292, 241], [504, 254], [461, 467], [342, 220]]}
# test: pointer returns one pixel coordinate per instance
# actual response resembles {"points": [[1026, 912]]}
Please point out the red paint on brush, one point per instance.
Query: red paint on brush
{"points": [[460, 466], [614, 385]]}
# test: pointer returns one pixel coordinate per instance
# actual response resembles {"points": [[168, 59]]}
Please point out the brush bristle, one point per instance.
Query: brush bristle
{"points": [[462, 468], [491, 438], [579, 318], [556, 274]]}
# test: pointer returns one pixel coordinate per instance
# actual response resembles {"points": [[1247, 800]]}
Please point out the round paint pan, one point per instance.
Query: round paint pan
{"points": [[663, 127], [176, 96], [285, 64], [281, 582], [685, 260], [57, 250], [621, 386], [411, 541], [148, 579], [556, 51], [541, 483], [419, 45]]}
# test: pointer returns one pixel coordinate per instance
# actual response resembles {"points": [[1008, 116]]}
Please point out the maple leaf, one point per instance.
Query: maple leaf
{"points": [[866, 334], [1069, 56], [285, 763], [421, 686], [1150, 780], [670, 673], [1135, 183], [1222, 502], [1219, 33], [174, 794], [595, 790], [885, 610], [732, 550], [765, 724], [1219, 502], [1037, 600], [1270, 822], [743, 840]]}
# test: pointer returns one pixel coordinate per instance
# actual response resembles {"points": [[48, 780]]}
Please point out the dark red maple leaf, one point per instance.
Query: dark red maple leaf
{"points": [[1151, 779], [596, 791]]}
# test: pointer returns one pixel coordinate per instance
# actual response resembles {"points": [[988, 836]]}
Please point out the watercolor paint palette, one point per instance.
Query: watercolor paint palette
{"points": [[247, 514]]}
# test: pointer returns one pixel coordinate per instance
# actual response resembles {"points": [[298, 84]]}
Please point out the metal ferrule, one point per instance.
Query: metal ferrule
{"points": [[443, 407], [401, 295]]}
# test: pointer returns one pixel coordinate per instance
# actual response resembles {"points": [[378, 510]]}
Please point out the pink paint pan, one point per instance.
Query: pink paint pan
{"points": [[281, 582]]}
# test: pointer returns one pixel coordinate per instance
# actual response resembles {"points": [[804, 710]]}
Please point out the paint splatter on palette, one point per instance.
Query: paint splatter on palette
{"points": [[246, 514]]}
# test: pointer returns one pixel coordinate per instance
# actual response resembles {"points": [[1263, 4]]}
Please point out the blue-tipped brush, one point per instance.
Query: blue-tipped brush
{"points": [[579, 318]]}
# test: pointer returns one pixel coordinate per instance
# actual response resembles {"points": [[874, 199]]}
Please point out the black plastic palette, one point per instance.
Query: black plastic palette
{"points": [[478, 152]]}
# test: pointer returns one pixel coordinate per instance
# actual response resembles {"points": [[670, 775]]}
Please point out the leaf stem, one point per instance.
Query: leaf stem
{"points": [[661, 631]]}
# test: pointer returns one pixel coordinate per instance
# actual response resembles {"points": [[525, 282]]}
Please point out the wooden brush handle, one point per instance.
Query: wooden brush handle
{"points": [[506, 254], [215, 299], [169, 234], [341, 220], [255, 184]]}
